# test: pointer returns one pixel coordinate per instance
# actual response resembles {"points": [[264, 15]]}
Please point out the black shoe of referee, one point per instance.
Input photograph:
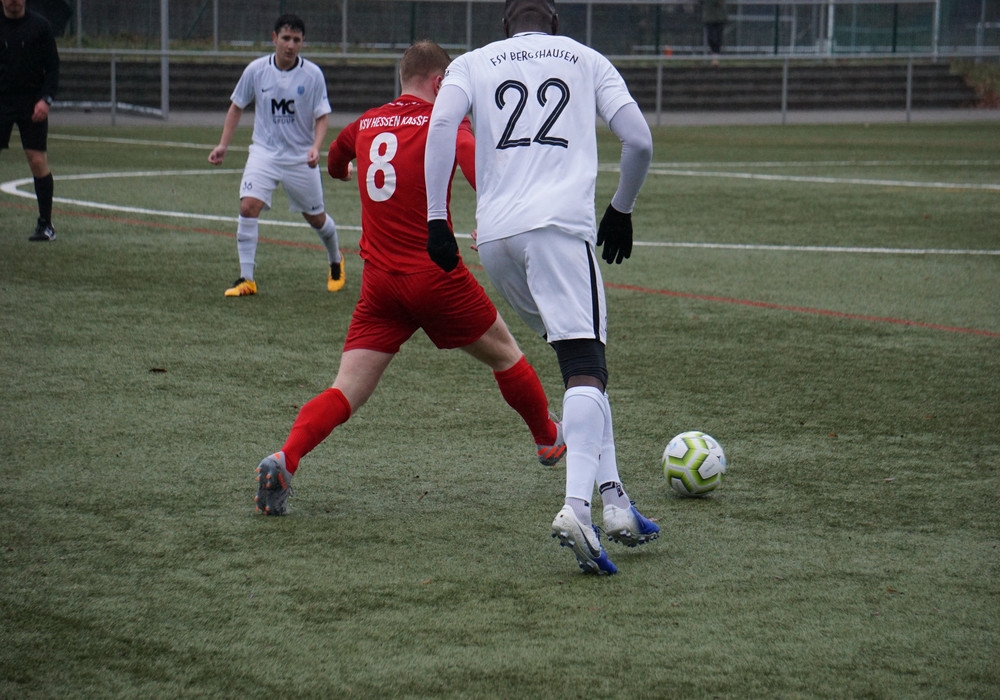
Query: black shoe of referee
{"points": [[43, 232]]}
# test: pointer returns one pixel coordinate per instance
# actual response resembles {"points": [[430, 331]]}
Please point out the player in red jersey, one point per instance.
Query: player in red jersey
{"points": [[402, 289]]}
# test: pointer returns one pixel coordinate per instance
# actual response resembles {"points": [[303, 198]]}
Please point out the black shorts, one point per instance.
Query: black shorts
{"points": [[34, 135]]}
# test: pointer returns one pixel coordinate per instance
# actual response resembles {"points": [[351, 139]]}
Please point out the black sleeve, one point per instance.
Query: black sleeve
{"points": [[49, 55]]}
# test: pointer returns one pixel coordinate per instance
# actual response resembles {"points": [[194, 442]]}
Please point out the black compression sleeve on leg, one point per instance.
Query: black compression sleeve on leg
{"points": [[581, 356]]}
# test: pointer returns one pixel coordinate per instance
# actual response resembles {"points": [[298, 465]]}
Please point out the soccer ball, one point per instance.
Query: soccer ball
{"points": [[694, 463]]}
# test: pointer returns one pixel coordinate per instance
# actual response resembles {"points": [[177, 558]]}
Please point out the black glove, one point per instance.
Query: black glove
{"points": [[441, 245], [615, 233]]}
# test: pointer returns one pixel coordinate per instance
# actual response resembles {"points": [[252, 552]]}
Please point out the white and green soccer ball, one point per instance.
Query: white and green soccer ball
{"points": [[694, 463]]}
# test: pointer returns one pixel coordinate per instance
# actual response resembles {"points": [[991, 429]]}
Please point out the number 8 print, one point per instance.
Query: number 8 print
{"points": [[382, 163]]}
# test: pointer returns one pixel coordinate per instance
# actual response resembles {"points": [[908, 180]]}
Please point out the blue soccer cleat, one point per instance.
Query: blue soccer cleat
{"points": [[628, 526]]}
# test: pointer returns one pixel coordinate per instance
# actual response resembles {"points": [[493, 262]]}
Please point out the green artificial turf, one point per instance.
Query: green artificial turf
{"points": [[851, 552]]}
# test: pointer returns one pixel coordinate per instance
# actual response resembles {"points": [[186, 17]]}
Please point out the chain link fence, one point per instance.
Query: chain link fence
{"points": [[817, 27], [125, 60]]}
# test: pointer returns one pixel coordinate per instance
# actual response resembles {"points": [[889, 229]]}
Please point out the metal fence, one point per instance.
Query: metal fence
{"points": [[660, 84], [614, 27]]}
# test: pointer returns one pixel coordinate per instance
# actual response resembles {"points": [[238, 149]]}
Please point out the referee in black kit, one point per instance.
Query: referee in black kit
{"points": [[29, 77]]}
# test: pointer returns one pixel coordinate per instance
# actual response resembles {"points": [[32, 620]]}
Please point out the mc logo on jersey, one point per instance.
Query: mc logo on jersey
{"points": [[282, 107]]}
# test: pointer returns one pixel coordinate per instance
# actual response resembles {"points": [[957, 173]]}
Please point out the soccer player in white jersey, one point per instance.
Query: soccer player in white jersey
{"points": [[290, 124], [534, 99]]}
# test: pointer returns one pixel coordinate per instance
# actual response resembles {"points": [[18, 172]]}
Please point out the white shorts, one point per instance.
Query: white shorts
{"points": [[303, 185], [553, 282]]}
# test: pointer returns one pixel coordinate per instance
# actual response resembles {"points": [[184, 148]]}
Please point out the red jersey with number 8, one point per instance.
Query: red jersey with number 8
{"points": [[388, 144]]}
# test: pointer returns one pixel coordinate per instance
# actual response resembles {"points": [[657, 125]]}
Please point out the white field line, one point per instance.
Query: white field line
{"points": [[818, 248], [142, 142], [12, 188], [819, 179], [825, 163], [655, 166]]}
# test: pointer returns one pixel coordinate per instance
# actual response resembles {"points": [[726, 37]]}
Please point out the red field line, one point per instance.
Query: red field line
{"points": [[804, 310], [624, 287]]}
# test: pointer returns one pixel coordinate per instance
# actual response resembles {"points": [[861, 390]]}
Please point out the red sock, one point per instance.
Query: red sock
{"points": [[316, 420], [522, 390]]}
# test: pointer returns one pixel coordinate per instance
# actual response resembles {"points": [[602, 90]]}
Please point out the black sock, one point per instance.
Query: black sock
{"points": [[43, 192]]}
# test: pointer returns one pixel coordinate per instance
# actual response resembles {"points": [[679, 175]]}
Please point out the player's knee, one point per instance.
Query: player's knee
{"points": [[38, 162], [581, 357], [317, 221], [251, 207], [504, 345], [496, 348]]}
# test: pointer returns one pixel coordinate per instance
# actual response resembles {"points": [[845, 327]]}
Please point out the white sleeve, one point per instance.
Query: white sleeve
{"points": [[322, 105], [450, 109], [631, 128], [243, 93]]}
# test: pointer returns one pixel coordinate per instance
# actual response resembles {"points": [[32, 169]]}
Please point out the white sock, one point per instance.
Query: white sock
{"points": [[581, 509], [328, 234], [609, 484], [246, 245], [583, 420]]}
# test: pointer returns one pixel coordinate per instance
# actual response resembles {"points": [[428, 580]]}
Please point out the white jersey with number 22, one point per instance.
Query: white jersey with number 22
{"points": [[535, 101]]}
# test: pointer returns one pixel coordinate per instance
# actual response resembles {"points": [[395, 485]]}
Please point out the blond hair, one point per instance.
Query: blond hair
{"points": [[424, 59]]}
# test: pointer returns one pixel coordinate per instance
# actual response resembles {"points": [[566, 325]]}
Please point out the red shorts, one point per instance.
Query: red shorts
{"points": [[452, 308]]}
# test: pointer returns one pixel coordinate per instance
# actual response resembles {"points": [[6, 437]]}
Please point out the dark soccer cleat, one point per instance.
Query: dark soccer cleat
{"points": [[274, 485], [43, 232]]}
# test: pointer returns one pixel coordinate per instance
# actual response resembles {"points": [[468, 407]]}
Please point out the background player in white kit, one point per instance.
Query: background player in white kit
{"points": [[290, 123], [534, 99]]}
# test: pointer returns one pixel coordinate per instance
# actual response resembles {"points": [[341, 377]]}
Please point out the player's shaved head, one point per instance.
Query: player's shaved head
{"points": [[530, 16], [424, 59]]}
